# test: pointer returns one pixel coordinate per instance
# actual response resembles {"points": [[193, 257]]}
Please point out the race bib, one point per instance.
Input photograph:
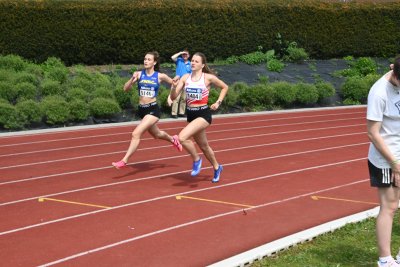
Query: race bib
{"points": [[194, 93], [147, 92]]}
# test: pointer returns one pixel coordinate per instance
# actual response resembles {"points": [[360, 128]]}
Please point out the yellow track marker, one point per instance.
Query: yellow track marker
{"points": [[42, 199], [341, 199], [214, 201]]}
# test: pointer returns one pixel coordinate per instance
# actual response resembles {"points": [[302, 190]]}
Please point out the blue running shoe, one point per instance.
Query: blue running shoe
{"points": [[196, 167], [217, 174]]}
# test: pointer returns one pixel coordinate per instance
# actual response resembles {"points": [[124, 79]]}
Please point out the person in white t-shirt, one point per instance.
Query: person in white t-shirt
{"points": [[383, 123]]}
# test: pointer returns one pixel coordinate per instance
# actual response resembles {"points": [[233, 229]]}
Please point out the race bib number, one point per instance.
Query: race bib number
{"points": [[147, 92], [193, 93]]}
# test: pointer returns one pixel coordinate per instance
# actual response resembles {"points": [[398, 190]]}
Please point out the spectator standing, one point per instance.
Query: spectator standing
{"points": [[383, 124], [183, 67]]}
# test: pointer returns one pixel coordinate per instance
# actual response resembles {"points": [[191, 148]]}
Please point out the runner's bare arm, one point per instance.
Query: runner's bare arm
{"points": [[220, 84], [131, 81]]}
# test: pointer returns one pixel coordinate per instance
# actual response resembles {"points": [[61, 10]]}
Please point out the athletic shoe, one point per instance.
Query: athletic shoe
{"points": [[196, 167], [119, 165], [217, 174], [389, 263], [176, 143]]}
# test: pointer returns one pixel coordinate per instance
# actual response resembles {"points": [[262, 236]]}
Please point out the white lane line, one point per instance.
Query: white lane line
{"points": [[180, 193], [179, 172], [144, 139], [87, 128], [168, 146], [174, 128], [159, 159], [209, 218]]}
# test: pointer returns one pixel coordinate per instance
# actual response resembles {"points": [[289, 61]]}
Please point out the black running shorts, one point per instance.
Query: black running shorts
{"points": [[193, 113]]}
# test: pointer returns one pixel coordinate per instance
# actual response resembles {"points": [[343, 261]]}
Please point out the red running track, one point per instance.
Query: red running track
{"points": [[91, 214]]}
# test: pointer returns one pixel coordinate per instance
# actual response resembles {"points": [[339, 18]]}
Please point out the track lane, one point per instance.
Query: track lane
{"points": [[179, 230]]}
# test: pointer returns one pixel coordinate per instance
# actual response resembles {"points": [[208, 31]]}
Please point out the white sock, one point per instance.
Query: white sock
{"points": [[385, 259]]}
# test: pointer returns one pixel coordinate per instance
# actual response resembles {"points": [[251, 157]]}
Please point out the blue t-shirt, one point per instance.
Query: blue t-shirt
{"points": [[181, 67], [148, 85]]}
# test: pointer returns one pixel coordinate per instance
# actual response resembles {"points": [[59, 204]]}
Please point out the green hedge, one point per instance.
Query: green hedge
{"points": [[121, 31]]}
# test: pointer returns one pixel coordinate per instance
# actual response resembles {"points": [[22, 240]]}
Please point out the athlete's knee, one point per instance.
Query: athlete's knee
{"points": [[136, 135], [182, 138]]}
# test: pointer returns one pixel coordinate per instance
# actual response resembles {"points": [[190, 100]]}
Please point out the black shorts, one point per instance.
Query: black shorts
{"points": [[149, 109], [198, 112], [380, 177]]}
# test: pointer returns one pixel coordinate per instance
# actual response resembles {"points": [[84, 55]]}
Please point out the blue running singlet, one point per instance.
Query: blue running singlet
{"points": [[148, 85]]}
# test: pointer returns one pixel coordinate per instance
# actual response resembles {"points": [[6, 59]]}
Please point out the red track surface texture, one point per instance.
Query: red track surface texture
{"points": [[62, 204]]}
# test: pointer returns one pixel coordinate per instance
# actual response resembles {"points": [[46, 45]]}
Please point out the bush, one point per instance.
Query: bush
{"points": [[306, 93], [23, 77], [101, 80], [26, 91], [285, 93], [54, 69], [103, 108], [55, 109], [103, 93], [10, 118], [12, 62], [254, 58], [7, 91], [163, 94], [81, 82], [30, 110], [325, 90], [350, 102], [59, 74], [365, 66], [79, 110], [233, 97], [134, 99], [356, 88], [7, 75], [35, 70], [77, 94], [232, 59], [50, 87], [370, 79], [123, 98], [275, 65], [230, 99], [295, 54], [213, 96], [361, 67], [257, 97]]}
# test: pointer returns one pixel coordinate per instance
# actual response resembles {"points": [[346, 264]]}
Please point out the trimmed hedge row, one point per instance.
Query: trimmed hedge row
{"points": [[121, 31]]}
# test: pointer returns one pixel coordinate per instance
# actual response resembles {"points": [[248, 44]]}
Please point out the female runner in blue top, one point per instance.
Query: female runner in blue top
{"points": [[197, 86], [149, 81]]}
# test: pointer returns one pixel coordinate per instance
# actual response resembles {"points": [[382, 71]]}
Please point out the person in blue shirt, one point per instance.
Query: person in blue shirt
{"points": [[183, 67], [148, 81]]}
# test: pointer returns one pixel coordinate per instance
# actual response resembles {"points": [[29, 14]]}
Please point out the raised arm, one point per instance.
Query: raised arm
{"points": [[174, 57], [131, 81]]}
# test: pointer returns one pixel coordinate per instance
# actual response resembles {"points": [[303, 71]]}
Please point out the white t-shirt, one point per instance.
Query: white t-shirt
{"points": [[384, 106]]}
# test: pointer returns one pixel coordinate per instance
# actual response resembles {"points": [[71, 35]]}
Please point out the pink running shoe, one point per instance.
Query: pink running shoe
{"points": [[120, 164], [176, 143]]}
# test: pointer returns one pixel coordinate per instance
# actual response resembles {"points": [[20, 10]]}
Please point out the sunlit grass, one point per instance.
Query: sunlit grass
{"points": [[351, 246]]}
